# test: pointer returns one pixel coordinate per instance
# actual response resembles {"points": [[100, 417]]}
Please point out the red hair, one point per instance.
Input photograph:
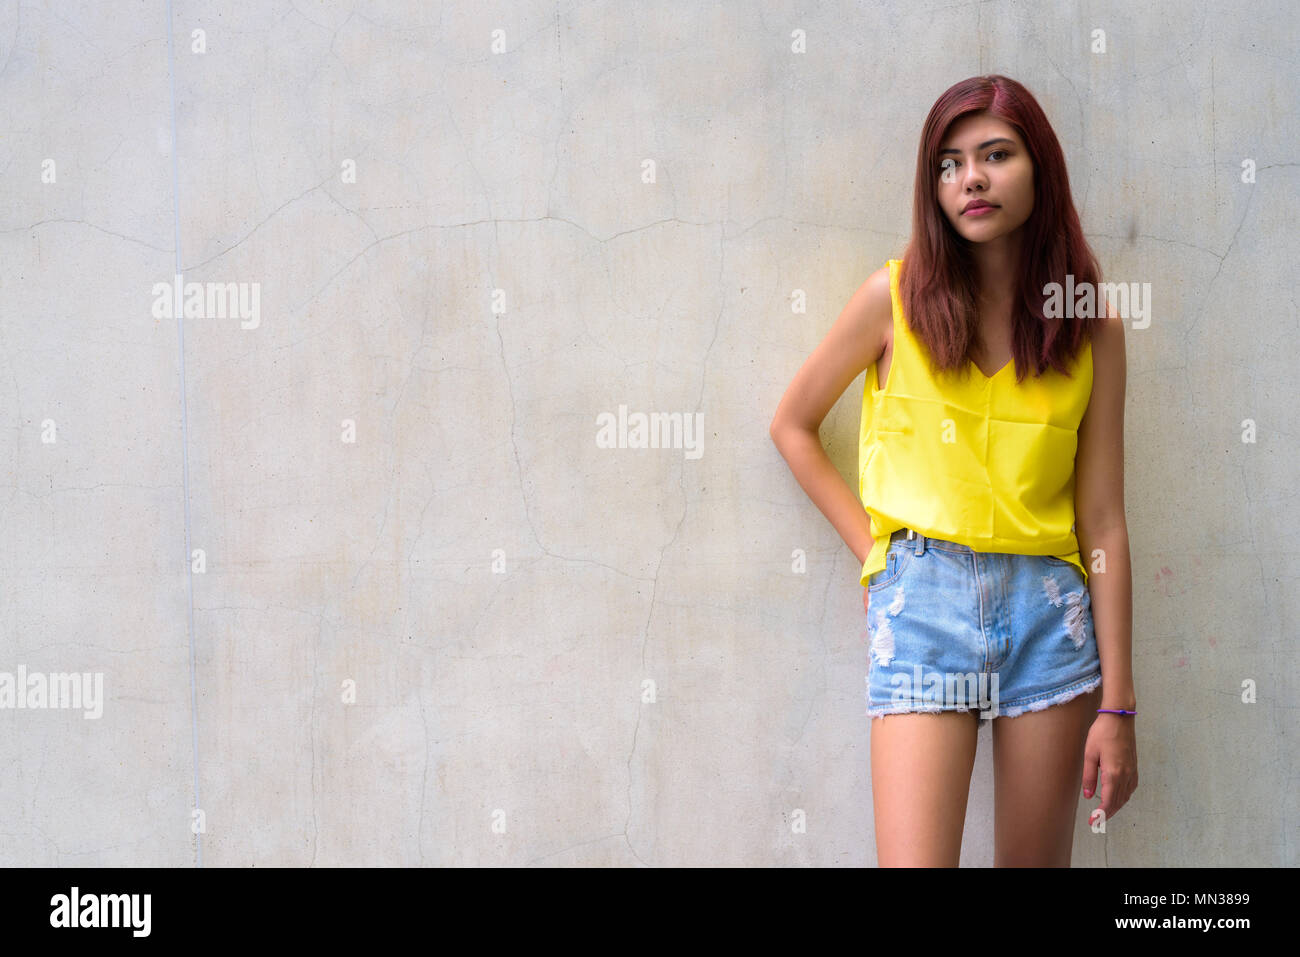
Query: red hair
{"points": [[938, 284]]}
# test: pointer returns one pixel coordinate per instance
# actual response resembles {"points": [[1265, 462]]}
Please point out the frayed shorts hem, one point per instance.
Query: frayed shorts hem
{"points": [[1041, 702], [1009, 709]]}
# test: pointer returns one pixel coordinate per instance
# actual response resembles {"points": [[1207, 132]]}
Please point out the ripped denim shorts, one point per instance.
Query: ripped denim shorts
{"points": [[953, 629]]}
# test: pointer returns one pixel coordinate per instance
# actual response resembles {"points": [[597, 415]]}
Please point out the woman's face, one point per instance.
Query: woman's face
{"points": [[983, 158]]}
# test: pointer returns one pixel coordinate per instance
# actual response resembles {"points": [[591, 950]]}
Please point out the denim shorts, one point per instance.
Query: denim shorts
{"points": [[953, 629]]}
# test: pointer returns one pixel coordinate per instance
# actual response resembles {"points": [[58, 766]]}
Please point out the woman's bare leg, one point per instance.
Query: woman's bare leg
{"points": [[1038, 779], [920, 778]]}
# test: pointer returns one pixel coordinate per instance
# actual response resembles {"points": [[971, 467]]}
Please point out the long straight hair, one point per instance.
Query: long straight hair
{"points": [[939, 280]]}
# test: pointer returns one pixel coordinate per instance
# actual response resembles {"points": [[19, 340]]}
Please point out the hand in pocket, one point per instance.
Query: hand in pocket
{"points": [[866, 601]]}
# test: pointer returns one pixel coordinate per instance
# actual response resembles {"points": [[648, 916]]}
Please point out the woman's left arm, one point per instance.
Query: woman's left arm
{"points": [[1103, 545]]}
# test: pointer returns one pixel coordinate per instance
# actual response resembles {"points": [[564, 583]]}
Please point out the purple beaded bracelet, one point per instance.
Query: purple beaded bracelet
{"points": [[1111, 711]]}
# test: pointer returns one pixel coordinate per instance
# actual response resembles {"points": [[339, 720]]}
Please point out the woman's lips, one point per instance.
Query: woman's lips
{"points": [[979, 210]]}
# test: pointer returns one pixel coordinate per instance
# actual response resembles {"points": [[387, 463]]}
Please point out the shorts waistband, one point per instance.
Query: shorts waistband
{"points": [[921, 542]]}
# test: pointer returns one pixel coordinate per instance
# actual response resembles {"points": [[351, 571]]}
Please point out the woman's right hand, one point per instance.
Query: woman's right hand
{"points": [[866, 600]]}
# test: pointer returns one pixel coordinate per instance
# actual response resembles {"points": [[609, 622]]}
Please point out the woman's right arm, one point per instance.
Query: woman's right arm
{"points": [[855, 341]]}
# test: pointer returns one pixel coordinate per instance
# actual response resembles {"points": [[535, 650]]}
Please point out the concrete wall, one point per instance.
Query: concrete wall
{"points": [[433, 621]]}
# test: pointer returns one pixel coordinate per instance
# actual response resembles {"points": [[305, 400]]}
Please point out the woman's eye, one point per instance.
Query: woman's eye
{"points": [[953, 164]]}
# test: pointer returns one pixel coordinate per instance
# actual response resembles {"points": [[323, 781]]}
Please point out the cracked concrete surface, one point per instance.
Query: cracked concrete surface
{"points": [[471, 637]]}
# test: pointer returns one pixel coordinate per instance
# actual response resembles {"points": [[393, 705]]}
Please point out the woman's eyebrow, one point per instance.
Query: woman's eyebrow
{"points": [[1000, 139]]}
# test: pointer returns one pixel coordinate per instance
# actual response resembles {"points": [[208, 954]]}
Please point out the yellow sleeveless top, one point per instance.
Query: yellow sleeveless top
{"points": [[983, 462]]}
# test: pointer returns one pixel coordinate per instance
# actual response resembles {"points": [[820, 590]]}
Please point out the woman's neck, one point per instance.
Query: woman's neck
{"points": [[996, 273]]}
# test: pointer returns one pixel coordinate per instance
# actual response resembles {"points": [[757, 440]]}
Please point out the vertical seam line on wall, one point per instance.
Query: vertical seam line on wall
{"points": [[185, 439]]}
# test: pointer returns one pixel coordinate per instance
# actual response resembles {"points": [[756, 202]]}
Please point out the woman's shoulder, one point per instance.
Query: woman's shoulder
{"points": [[1106, 343], [879, 305], [866, 322], [877, 284]]}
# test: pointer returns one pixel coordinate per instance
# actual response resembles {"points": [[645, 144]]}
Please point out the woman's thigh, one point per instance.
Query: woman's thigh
{"points": [[920, 779], [1038, 778]]}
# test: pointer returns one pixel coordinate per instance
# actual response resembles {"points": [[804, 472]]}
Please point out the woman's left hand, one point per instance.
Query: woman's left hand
{"points": [[1111, 748]]}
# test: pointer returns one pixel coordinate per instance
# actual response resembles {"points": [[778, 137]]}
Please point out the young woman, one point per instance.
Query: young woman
{"points": [[991, 527]]}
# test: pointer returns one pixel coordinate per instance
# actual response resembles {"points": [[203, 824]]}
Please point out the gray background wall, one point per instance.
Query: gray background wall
{"points": [[564, 654]]}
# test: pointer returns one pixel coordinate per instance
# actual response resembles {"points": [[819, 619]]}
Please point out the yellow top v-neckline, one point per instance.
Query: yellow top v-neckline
{"points": [[1005, 366]]}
